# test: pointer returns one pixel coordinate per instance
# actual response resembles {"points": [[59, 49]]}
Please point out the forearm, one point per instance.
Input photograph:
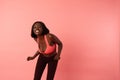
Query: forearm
{"points": [[36, 54]]}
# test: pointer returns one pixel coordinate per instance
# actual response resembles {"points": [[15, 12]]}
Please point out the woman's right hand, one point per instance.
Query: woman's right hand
{"points": [[29, 58]]}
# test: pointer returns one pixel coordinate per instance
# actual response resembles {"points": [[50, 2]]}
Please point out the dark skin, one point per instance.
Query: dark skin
{"points": [[52, 39]]}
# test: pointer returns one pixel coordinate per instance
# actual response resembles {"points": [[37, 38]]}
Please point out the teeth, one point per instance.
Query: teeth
{"points": [[37, 31]]}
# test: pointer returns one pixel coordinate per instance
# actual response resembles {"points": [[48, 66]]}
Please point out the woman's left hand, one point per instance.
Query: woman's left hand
{"points": [[57, 57]]}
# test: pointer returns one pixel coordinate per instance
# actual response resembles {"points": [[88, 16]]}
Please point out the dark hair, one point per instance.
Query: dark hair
{"points": [[45, 29]]}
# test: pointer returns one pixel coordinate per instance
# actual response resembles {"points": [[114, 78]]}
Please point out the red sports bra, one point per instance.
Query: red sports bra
{"points": [[49, 48]]}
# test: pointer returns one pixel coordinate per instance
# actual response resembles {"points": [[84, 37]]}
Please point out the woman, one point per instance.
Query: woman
{"points": [[47, 46]]}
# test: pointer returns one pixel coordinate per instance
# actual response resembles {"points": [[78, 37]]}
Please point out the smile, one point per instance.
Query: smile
{"points": [[37, 31]]}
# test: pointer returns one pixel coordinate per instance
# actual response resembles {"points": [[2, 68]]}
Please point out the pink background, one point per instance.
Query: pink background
{"points": [[89, 30]]}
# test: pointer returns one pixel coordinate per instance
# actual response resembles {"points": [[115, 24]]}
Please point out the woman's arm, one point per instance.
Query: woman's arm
{"points": [[60, 45]]}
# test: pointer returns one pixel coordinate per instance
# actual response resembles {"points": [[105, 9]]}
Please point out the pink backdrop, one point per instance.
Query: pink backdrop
{"points": [[89, 30]]}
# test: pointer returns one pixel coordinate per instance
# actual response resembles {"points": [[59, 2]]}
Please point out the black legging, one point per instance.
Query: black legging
{"points": [[41, 64]]}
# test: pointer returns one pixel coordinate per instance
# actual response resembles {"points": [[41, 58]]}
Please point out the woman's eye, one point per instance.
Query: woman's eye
{"points": [[34, 27]]}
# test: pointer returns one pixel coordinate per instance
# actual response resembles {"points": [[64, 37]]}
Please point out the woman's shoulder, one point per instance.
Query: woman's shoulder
{"points": [[50, 35]]}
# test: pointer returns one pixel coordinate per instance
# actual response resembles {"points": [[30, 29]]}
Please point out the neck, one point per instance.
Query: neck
{"points": [[41, 36]]}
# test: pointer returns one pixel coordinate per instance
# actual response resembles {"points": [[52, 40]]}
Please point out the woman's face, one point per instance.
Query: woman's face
{"points": [[37, 29]]}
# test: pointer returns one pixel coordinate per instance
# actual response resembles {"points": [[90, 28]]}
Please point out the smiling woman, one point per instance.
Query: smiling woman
{"points": [[47, 50]]}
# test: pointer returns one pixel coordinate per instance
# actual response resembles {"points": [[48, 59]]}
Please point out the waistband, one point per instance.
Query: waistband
{"points": [[48, 55]]}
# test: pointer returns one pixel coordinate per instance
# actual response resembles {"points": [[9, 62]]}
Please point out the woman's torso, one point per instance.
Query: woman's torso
{"points": [[46, 44]]}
